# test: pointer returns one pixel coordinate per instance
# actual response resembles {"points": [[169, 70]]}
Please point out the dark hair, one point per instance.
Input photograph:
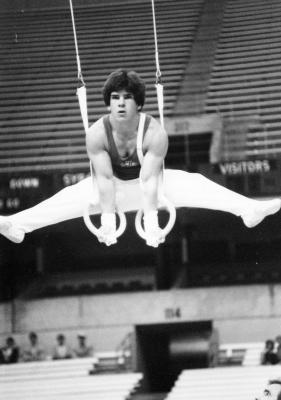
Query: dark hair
{"points": [[10, 340], [275, 381], [122, 79], [270, 343]]}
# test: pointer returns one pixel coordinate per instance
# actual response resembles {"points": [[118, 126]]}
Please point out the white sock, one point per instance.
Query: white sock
{"points": [[261, 209]]}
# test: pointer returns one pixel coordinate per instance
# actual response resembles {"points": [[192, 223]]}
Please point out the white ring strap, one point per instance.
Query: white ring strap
{"points": [[140, 137]]}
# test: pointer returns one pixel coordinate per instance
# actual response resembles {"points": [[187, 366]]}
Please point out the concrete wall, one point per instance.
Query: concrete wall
{"points": [[241, 314], [6, 318]]}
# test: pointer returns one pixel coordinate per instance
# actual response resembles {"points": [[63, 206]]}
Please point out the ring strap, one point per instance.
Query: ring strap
{"points": [[140, 137]]}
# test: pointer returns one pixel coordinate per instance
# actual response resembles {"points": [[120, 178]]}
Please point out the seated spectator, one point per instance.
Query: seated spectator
{"points": [[33, 352], [9, 354], [83, 349], [278, 348], [278, 340], [62, 351], [269, 357], [272, 391]]}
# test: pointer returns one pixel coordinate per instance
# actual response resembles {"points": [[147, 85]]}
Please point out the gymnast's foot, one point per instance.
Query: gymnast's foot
{"points": [[11, 232], [262, 208]]}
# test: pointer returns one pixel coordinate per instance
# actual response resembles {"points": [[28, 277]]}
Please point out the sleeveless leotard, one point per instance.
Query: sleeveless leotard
{"points": [[124, 168]]}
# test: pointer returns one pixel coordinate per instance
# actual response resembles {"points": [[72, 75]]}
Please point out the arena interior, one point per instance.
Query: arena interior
{"points": [[189, 319]]}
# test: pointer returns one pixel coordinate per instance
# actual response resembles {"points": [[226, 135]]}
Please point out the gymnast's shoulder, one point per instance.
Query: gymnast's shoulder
{"points": [[95, 134], [156, 135]]}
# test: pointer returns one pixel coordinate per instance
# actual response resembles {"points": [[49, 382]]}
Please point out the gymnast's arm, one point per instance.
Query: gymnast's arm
{"points": [[155, 149], [99, 157]]}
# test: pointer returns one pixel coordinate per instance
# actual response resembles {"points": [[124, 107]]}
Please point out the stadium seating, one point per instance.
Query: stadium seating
{"points": [[77, 379], [40, 120], [246, 354], [39, 116], [65, 379], [91, 282], [245, 83], [241, 383]]}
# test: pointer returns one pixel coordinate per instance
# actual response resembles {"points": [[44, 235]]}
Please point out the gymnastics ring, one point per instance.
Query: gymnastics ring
{"points": [[172, 218], [95, 231]]}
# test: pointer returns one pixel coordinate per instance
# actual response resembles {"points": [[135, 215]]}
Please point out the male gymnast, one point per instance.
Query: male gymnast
{"points": [[120, 181]]}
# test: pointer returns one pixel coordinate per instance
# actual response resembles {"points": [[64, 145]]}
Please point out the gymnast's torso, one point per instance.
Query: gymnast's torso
{"points": [[127, 166]]}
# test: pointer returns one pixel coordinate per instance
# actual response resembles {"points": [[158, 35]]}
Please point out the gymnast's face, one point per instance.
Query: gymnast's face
{"points": [[123, 105]]}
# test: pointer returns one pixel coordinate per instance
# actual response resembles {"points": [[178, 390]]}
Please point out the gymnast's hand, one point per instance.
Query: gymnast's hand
{"points": [[153, 233], [107, 231]]}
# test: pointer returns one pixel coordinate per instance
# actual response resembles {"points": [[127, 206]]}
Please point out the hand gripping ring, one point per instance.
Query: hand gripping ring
{"points": [[95, 231], [172, 218]]}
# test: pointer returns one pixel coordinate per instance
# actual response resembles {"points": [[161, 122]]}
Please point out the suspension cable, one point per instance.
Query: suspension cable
{"points": [[158, 71], [162, 199], [158, 84], [80, 76]]}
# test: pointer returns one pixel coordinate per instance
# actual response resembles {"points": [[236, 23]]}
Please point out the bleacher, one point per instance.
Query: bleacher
{"points": [[109, 375], [245, 84], [241, 383], [40, 122], [93, 282], [106, 377], [41, 127], [244, 354], [64, 380], [239, 375]]}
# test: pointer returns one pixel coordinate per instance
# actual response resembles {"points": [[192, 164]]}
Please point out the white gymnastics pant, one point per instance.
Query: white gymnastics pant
{"points": [[182, 188]]}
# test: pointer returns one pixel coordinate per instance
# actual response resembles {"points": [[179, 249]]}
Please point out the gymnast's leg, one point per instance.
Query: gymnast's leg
{"points": [[182, 188], [194, 190], [66, 204]]}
